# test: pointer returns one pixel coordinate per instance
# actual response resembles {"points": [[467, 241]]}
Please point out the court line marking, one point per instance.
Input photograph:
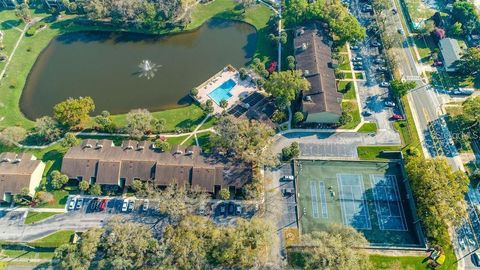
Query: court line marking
{"points": [[313, 193], [323, 199], [392, 184], [361, 187]]}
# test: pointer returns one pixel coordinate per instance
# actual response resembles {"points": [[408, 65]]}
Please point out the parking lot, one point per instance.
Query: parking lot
{"points": [[346, 150]]}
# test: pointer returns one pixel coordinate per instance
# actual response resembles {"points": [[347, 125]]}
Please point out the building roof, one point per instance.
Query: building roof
{"points": [[16, 171], [314, 57], [451, 51], [141, 160]]}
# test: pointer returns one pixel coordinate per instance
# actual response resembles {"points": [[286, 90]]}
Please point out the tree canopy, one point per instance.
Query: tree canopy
{"points": [[248, 140], [286, 85], [439, 193], [465, 13], [400, 88], [336, 247], [470, 62], [74, 112]]}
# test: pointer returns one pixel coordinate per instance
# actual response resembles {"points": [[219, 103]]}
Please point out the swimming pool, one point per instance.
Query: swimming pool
{"points": [[222, 92]]}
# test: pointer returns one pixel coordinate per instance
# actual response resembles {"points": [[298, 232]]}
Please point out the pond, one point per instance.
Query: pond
{"points": [[105, 66]]}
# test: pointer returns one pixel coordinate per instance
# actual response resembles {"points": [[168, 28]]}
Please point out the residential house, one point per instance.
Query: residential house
{"points": [[17, 172], [451, 53], [117, 166], [322, 104]]}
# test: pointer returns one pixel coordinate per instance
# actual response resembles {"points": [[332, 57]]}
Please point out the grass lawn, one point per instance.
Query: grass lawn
{"points": [[38, 216], [410, 262], [355, 113], [359, 75], [407, 129], [445, 80], [12, 85], [368, 128], [54, 240], [454, 124], [344, 63], [375, 152], [342, 88], [425, 46]]}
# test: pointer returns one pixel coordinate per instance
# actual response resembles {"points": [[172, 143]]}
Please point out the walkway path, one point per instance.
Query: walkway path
{"points": [[22, 35]]}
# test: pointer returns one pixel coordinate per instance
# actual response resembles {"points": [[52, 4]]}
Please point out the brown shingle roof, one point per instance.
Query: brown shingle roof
{"points": [[314, 57], [16, 171], [131, 161]]}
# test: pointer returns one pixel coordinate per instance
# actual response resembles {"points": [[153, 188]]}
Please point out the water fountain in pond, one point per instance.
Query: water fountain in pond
{"points": [[148, 69]]}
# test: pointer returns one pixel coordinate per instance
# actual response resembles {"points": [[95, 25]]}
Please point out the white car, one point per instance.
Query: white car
{"points": [[357, 59], [288, 178], [79, 203], [145, 205], [389, 104], [71, 204], [125, 206], [384, 84]]}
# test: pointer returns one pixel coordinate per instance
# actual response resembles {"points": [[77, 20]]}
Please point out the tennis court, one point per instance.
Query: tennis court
{"points": [[369, 196]]}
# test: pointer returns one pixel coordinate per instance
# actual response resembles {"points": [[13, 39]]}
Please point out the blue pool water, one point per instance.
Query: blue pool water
{"points": [[222, 92]]}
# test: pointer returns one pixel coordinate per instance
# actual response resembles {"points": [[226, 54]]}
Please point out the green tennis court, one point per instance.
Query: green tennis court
{"points": [[369, 196]]}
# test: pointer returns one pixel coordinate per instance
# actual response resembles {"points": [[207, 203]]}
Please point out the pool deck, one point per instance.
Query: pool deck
{"points": [[243, 88]]}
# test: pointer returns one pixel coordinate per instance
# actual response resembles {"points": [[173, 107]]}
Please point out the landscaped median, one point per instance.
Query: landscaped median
{"points": [[378, 152], [33, 217]]}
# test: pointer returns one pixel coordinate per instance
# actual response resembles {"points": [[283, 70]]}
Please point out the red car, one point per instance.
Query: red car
{"points": [[437, 63], [103, 204], [397, 117]]}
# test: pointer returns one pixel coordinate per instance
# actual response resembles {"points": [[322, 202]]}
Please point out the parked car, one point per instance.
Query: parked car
{"points": [[125, 205], [288, 178], [394, 11], [93, 204], [288, 191], [437, 63], [400, 31], [358, 67], [389, 103], [384, 84], [382, 69], [131, 205], [476, 258], [231, 208], [366, 113], [103, 204], [71, 204], [223, 209], [397, 117], [379, 61], [145, 205], [79, 203], [238, 210], [358, 59], [466, 91], [375, 44], [354, 47]]}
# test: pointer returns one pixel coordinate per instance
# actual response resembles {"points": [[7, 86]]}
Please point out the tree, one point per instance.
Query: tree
{"points": [[291, 62], [292, 151], [73, 112], [139, 122], [470, 61], [23, 12], [119, 245], [465, 13], [439, 193], [333, 248], [243, 73], [283, 37], [44, 197], [259, 67], [457, 29], [298, 117], [427, 28], [248, 140], [439, 33], [194, 92], [471, 110], [104, 122], [224, 194], [400, 88], [84, 185], [47, 128], [286, 84], [245, 4], [23, 197], [57, 179], [69, 140], [12, 135], [162, 145], [137, 185], [177, 201], [96, 190], [208, 108], [223, 104], [381, 5]]}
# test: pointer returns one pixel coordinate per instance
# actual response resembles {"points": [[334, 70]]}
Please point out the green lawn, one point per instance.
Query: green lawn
{"points": [[368, 128], [38, 216], [375, 152], [344, 63], [407, 129], [410, 262], [12, 85], [355, 113], [54, 240], [347, 94], [359, 75]]}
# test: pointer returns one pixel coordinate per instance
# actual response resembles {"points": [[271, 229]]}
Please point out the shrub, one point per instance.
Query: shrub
{"points": [[224, 194], [194, 92], [298, 117]]}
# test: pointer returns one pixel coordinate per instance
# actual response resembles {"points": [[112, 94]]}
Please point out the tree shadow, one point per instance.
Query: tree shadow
{"points": [[9, 24]]}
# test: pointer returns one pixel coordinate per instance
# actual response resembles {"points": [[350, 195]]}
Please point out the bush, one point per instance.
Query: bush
{"points": [[292, 151], [58, 180], [194, 92], [34, 28], [298, 117], [224, 194], [243, 73]]}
